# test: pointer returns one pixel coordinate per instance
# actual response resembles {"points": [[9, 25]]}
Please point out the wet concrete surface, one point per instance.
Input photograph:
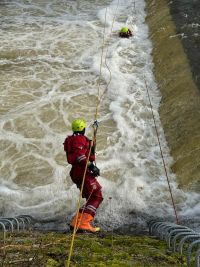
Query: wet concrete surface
{"points": [[176, 69], [186, 15]]}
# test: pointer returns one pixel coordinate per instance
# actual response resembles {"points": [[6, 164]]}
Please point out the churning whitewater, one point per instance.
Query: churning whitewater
{"points": [[50, 65]]}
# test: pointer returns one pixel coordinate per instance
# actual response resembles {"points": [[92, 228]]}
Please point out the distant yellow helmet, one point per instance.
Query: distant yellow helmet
{"points": [[78, 125], [124, 29]]}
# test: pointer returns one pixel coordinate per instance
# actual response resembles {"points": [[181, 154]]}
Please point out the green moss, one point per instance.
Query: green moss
{"points": [[51, 263], [51, 249]]}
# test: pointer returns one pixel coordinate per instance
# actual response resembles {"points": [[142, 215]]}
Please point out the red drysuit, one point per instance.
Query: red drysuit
{"points": [[77, 148]]}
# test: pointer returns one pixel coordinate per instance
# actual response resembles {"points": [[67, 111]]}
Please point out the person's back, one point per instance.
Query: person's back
{"points": [[77, 147]]}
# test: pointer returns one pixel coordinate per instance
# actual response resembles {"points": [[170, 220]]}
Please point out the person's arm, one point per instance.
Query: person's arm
{"points": [[81, 155], [69, 152]]}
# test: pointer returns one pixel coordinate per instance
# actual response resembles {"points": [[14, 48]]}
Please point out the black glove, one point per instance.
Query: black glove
{"points": [[94, 169]]}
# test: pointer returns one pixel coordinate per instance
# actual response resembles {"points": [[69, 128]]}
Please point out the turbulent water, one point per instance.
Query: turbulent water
{"points": [[50, 58]]}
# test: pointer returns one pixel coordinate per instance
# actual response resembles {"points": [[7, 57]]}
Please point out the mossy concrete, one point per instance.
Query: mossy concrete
{"points": [[51, 250], [180, 104]]}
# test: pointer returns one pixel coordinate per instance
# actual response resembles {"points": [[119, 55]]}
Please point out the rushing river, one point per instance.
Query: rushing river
{"points": [[50, 55]]}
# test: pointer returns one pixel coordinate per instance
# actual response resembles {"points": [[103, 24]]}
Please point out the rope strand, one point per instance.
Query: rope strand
{"points": [[99, 98], [78, 207], [161, 152], [106, 64], [100, 72]]}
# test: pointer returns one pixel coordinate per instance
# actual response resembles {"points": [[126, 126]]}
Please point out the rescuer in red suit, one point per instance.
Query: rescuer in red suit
{"points": [[77, 148]]}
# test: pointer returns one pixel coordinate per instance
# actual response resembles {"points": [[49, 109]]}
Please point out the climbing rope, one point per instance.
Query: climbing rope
{"points": [[134, 6], [99, 99], [78, 207], [100, 72], [93, 142], [161, 152], [110, 78]]}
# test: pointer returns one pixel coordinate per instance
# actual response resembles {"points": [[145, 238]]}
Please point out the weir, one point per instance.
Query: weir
{"points": [[129, 152], [180, 104], [47, 81]]}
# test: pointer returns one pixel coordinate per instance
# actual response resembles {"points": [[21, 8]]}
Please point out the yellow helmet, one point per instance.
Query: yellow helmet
{"points": [[124, 29], [78, 125]]}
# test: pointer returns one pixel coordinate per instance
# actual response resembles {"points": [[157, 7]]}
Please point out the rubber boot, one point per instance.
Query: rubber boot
{"points": [[73, 222], [84, 223]]}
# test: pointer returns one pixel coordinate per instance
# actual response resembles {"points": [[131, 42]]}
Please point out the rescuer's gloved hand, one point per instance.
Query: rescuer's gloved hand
{"points": [[94, 169]]}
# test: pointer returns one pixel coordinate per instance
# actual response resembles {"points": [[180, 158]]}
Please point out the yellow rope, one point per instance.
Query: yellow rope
{"points": [[93, 140], [78, 207]]}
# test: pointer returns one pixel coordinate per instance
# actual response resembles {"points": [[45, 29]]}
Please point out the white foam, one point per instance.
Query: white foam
{"points": [[54, 67]]}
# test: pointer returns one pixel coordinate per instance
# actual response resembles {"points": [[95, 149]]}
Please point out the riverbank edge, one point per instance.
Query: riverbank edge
{"points": [[105, 249], [179, 108]]}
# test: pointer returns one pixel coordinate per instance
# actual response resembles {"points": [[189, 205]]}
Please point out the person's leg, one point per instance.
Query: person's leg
{"points": [[92, 193]]}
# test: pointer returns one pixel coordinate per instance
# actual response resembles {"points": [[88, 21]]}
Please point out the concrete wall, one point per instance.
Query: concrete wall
{"points": [[180, 104]]}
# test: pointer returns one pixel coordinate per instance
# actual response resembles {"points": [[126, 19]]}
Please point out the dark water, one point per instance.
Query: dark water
{"points": [[186, 15]]}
